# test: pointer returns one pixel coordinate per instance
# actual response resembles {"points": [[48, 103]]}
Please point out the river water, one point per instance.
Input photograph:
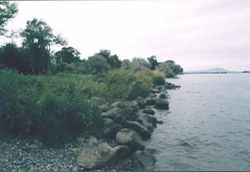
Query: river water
{"points": [[207, 126]]}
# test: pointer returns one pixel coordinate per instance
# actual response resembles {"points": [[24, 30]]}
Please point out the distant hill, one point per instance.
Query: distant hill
{"points": [[212, 70]]}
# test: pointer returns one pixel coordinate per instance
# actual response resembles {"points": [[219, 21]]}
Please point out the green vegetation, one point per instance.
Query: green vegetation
{"points": [[53, 94]]}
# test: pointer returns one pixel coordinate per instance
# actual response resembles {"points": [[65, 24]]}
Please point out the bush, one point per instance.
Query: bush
{"points": [[53, 107], [125, 84], [138, 89]]}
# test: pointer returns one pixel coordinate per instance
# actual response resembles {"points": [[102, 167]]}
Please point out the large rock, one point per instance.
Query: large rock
{"points": [[149, 111], [162, 104], [171, 86], [129, 110], [115, 114], [144, 160], [154, 90], [150, 101], [122, 151], [97, 156], [141, 102], [162, 96], [131, 138], [104, 107], [139, 128], [110, 128], [148, 121]]}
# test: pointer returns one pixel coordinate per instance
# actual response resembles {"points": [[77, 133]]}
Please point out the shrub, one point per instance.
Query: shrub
{"points": [[53, 107], [158, 78], [138, 89]]}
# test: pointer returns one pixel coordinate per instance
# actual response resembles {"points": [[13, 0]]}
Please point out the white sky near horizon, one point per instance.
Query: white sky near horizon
{"points": [[197, 34]]}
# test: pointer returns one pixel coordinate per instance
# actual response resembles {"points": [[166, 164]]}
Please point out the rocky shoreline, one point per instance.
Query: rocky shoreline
{"points": [[121, 145]]}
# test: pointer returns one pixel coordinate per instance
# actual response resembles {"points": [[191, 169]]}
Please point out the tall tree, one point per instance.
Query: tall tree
{"points": [[68, 55], [112, 60], [153, 62], [38, 38], [7, 11]]}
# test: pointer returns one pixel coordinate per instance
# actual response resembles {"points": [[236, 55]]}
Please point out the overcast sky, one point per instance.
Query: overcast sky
{"points": [[197, 34]]}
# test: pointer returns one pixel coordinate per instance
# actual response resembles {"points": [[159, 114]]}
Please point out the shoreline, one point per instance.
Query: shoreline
{"points": [[140, 119]]}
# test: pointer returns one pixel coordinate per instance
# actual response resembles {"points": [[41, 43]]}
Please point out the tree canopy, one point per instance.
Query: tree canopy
{"points": [[7, 12]]}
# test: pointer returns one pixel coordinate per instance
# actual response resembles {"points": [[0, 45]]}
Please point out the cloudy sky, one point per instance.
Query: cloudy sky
{"points": [[197, 34]]}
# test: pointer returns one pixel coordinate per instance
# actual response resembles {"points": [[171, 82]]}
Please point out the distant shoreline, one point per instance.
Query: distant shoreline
{"points": [[216, 72]]}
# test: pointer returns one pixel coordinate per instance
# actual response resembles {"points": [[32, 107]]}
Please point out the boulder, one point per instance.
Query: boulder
{"points": [[148, 121], [154, 90], [162, 96], [171, 86], [159, 87], [129, 110], [146, 124], [150, 118], [104, 107], [149, 111], [133, 105], [139, 128], [141, 102], [96, 156], [153, 95], [144, 160], [150, 101], [122, 151], [130, 138], [159, 122], [115, 114], [110, 128], [162, 104]]}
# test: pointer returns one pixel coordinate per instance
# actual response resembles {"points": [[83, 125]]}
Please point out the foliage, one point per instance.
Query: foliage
{"points": [[112, 60], [54, 107], [67, 55], [97, 64], [38, 38], [153, 62], [170, 68], [14, 57], [7, 11]]}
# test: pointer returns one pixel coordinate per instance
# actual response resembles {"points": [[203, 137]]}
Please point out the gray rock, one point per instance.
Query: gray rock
{"points": [[104, 107], [150, 101], [139, 128], [154, 90], [162, 104], [149, 111], [130, 138], [159, 122], [163, 96], [144, 160], [110, 128], [133, 105], [171, 86], [141, 102], [115, 114], [122, 151], [95, 156], [148, 121]]}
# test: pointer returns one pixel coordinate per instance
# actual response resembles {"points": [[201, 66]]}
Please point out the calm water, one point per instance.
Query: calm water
{"points": [[207, 126]]}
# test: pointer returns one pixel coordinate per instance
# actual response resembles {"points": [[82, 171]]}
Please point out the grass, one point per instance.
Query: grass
{"points": [[56, 107]]}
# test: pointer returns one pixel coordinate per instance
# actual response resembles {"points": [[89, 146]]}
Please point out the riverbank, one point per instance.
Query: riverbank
{"points": [[120, 146]]}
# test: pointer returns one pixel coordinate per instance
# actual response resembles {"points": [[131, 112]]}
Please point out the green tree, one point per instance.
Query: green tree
{"points": [[170, 68], [112, 60], [14, 57], [7, 12], [97, 64], [67, 55], [38, 38], [153, 62], [139, 63]]}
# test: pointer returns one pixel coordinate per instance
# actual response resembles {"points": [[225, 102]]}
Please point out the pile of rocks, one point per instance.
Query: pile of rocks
{"points": [[127, 125]]}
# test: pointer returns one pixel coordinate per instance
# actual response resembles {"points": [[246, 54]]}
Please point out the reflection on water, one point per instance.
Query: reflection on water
{"points": [[207, 126]]}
